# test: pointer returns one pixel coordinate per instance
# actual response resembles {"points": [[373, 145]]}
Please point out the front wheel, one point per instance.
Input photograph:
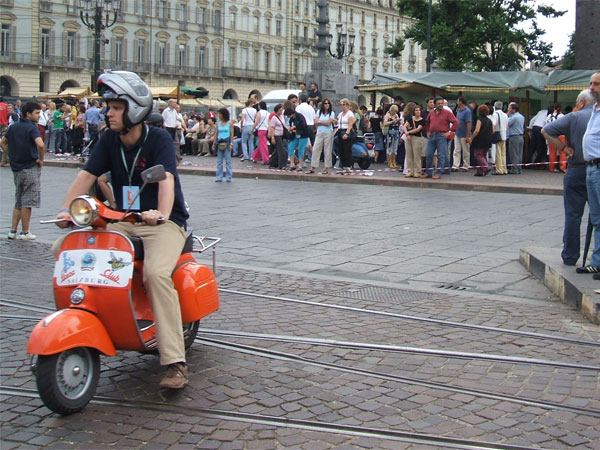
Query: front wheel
{"points": [[67, 381], [190, 330], [364, 163]]}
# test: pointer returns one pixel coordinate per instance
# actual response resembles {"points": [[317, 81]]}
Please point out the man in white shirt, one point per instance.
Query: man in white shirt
{"points": [[309, 115], [43, 121], [170, 116], [538, 148], [500, 121]]}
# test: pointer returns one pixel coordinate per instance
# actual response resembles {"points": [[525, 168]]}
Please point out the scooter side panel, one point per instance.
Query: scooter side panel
{"points": [[197, 288], [109, 283], [69, 328]]}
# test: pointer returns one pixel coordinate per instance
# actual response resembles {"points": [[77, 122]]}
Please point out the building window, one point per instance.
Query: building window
{"points": [[278, 28], [296, 66], [140, 52], [374, 20], [374, 46], [5, 40], [267, 26], [362, 19], [162, 54], [256, 59], [202, 58], [217, 18], [181, 56], [232, 55], [340, 14], [141, 8], [256, 22], [232, 20], [118, 57], [279, 4], [269, 4], [71, 46], [218, 62], [352, 17], [201, 16], [305, 30], [306, 7], [386, 23], [163, 10], [278, 62], [45, 50], [267, 61], [181, 16]]}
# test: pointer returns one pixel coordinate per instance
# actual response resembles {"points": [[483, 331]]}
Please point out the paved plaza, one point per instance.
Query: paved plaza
{"points": [[341, 305]]}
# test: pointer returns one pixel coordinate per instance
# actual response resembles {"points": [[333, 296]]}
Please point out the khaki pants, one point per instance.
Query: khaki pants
{"points": [[323, 143], [414, 150], [461, 148], [501, 157], [162, 248]]}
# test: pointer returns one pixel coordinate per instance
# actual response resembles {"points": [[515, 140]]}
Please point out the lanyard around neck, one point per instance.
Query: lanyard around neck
{"points": [[130, 172]]}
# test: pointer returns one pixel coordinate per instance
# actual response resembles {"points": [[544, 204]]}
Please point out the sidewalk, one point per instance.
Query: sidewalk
{"points": [[531, 181]]}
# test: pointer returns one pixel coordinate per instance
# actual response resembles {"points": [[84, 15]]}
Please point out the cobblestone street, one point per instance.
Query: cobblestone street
{"points": [[351, 317]]}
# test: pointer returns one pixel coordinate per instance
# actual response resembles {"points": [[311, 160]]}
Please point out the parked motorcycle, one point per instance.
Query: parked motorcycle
{"points": [[101, 302], [362, 150]]}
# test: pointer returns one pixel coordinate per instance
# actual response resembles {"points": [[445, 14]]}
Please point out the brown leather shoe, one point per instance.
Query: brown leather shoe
{"points": [[176, 377], [436, 177]]}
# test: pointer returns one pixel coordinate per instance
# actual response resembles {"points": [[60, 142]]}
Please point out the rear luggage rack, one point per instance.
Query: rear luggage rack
{"points": [[203, 243]]}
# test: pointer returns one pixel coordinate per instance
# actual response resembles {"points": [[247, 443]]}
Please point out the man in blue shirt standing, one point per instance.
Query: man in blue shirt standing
{"points": [[591, 154], [92, 120], [572, 126], [25, 148], [463, 133], [516, 124]]}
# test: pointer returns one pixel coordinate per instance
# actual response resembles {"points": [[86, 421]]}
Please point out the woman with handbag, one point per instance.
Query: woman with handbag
{"points": [[393, 121], [346, 134], [277, 133], [324, 120], [224, 145], [260, 127], [300, 137], [481, 140]]}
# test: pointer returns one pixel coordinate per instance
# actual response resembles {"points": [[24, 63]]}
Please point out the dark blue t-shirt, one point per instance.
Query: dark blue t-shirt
{"points": [[22, 150], [156, 148]]}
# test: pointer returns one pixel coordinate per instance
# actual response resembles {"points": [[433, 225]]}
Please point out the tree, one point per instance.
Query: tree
{"points": [[482, 35], [569, 56]]}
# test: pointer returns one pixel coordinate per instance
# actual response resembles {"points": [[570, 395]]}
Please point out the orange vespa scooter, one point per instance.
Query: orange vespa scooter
{"points": [[101, 303]]}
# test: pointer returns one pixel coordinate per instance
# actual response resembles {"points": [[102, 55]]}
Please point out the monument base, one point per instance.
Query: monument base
{"points": [[333, 84]]}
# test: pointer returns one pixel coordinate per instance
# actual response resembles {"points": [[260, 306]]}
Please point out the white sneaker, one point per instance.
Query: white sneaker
{"points": [[26, 236], [12, 235]]}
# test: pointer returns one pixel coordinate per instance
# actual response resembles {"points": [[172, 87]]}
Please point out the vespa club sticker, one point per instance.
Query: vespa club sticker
{"points": [[110, 268]]}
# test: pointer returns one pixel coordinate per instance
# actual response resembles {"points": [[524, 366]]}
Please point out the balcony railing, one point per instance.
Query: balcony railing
{"points": [[302, 41], [251, 73]]}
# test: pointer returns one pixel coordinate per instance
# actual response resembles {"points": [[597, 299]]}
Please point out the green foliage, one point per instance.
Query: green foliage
{"points": [[480, 35], [569, 56]]}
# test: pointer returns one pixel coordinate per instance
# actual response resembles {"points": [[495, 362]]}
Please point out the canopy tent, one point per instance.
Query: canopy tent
{"points": [[433, 83], [568, 80], [167, 92], [195, 93], [73, 92]]}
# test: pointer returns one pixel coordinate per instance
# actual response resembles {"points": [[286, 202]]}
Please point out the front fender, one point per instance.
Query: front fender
{"points": [[69, 328]]}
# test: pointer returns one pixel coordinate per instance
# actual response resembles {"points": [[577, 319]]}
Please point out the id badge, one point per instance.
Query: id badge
{"points": [[129, 193]]}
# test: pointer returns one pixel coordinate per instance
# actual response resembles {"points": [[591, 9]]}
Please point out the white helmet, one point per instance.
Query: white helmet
{"points": [[130, 88]]}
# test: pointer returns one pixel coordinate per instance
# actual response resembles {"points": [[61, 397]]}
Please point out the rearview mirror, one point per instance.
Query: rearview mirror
{"points": [[154, 174]]}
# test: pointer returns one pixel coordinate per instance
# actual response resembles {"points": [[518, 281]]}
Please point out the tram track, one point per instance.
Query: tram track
{"points": [[268, 420], [440, 322], [407, 317], [290, 357], [336, 343]]}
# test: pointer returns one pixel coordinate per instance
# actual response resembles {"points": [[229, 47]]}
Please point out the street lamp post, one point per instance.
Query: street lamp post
{"points": [[345, 41], [98, 15]]}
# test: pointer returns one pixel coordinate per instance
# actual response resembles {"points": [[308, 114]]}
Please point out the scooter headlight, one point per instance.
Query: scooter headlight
{"points": [[77, 296], [83, 211]]}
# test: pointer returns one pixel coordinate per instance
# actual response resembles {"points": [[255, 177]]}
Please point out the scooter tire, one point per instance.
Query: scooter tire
{"points": [[364, 163], [190, 330], [67, 381]]}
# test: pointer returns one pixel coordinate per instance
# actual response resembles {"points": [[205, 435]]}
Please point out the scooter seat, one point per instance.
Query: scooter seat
{"points": [[138, 246]]}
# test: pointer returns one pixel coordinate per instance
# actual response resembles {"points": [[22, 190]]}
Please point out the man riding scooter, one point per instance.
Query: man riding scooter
{"points": [[126, 149]]}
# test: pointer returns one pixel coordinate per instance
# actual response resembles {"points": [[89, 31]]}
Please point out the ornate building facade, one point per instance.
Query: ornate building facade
{"points": [[230, 48]]}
